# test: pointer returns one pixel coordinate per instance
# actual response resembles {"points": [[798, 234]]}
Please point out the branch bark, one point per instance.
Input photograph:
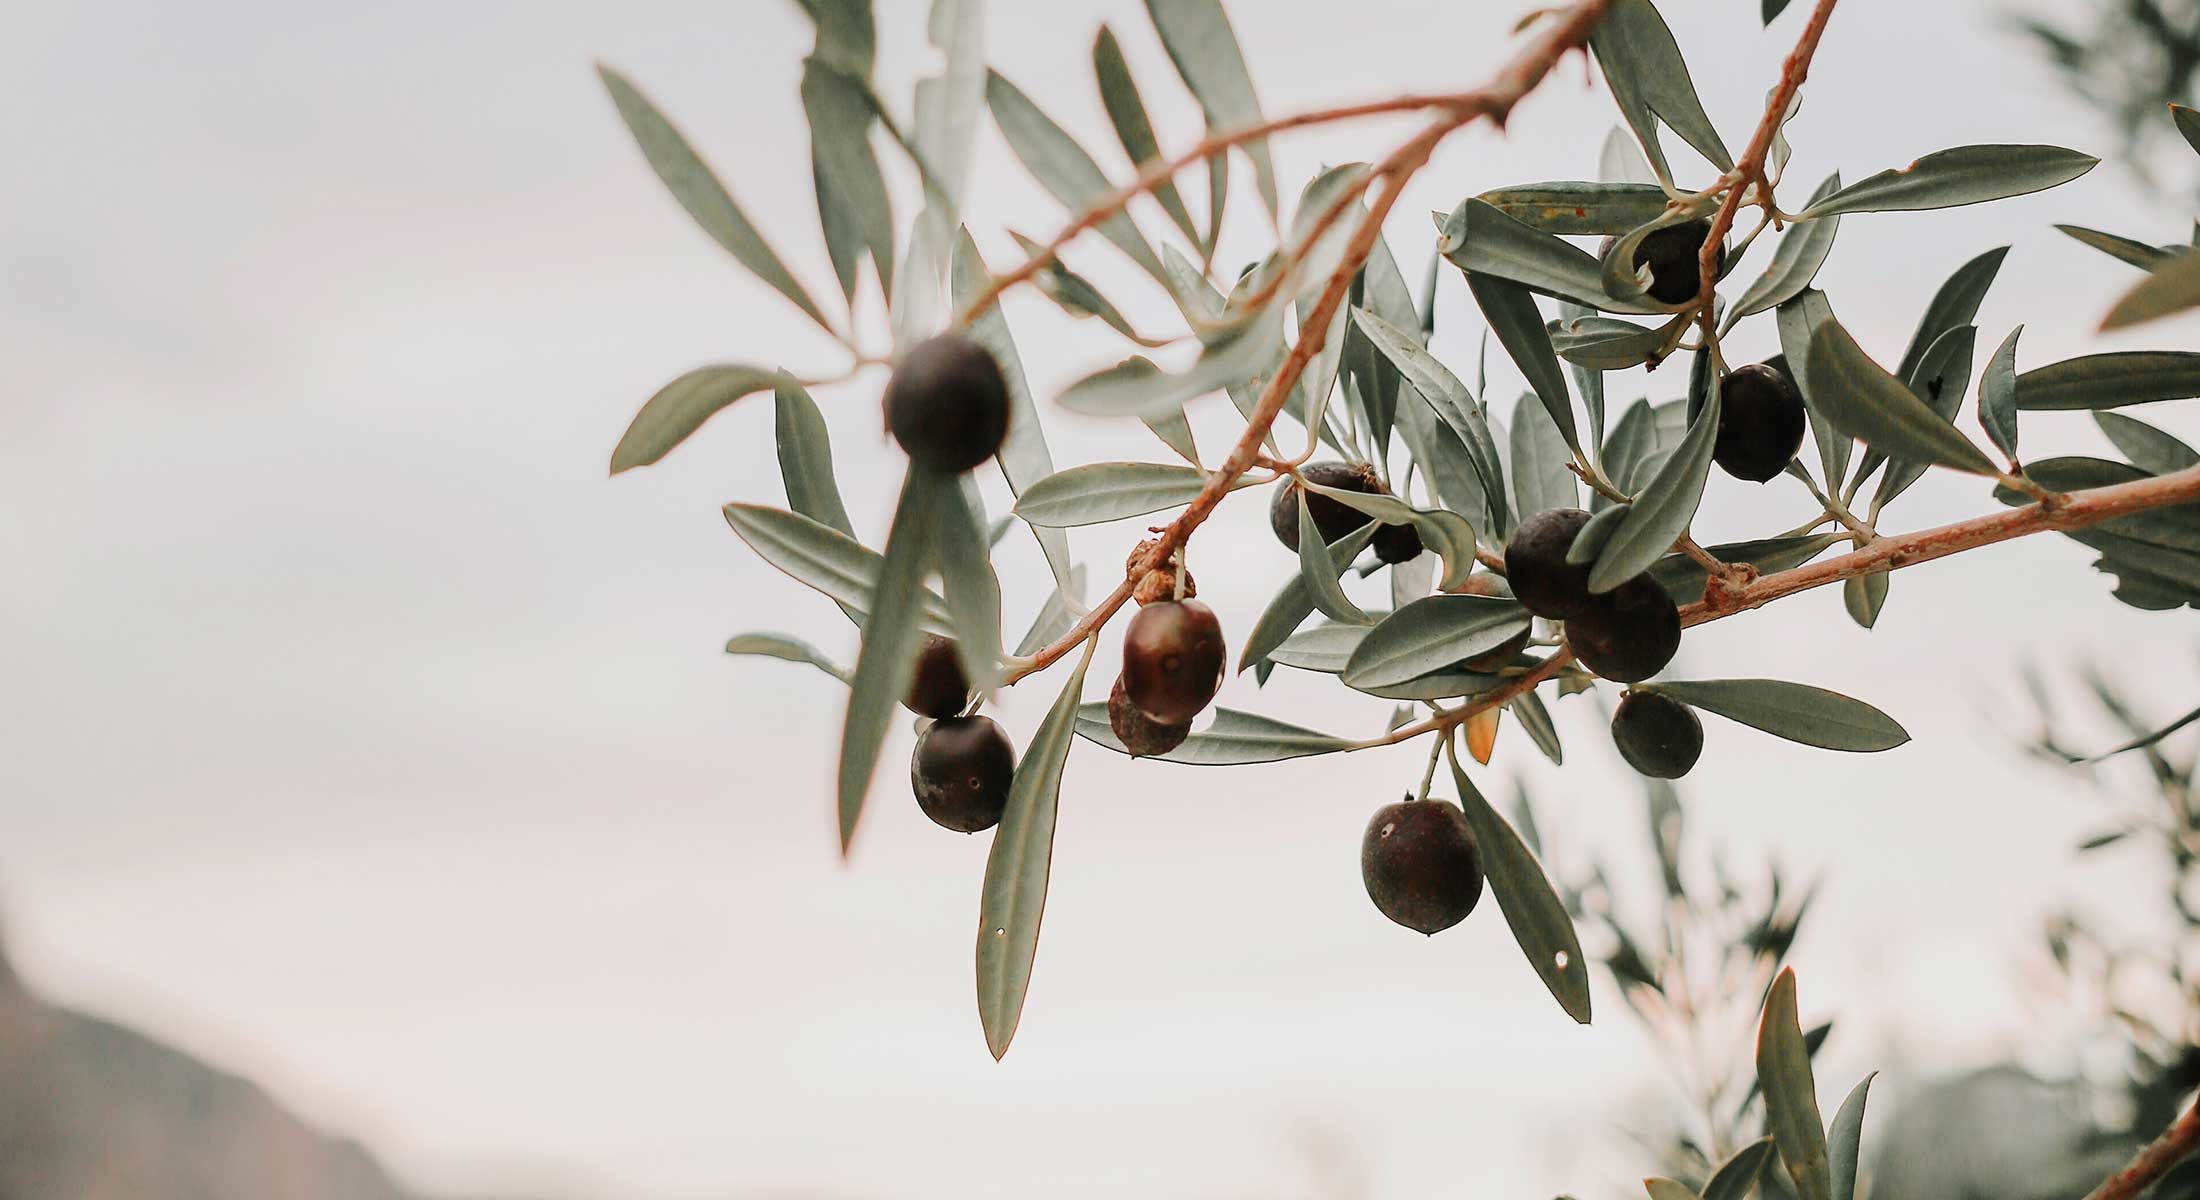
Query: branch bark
{"points": [[2154, 1160]]}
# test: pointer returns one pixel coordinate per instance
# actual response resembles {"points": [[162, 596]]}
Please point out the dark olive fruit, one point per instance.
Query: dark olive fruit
{"points": [[1140, 734], [1421, 865], [961, 771], [1396, 543], [938, 688], [1536, 567], [1760, 423], [947, 403], [1629, 633], [1489, 583], [1333, 517], [1657, 735], [1173, 656], [1676, 272]]}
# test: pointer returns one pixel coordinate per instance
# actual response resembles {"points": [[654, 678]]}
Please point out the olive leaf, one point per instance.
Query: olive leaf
{"points": [[1319, 572], [1594, 534], [2123, 249], [2113, 380], [1540, 456], [679, 408], [805, 450], [822, 557], [1431, 634], [1138, 388], [1110, 491], [1791, 1098], [1234, 739], [1604, 343], [1023, 457], [1798, 319], [1955, 304], [1057, 615], [1127, 112], [1062, 167], [1535, 720], [691, 182], [1477, 237], [1450, 535], [1648, 76], [1997, 395], [1292, 604], [1663, 508], [1449, 398], [2148, 448], [1795, 711], [1738, 1176], [1579, 209], [780, 646], [1944, 375], [1205, 50], [1175, 431], [2174, 287], [1963, 175], [853, 205], [1324, 648], [1861, 399], [1683, 577], [1844, 1141], [1513, 316], [1667, 1189], [1014, 896], [1447, 684], [1071, 292], [1795, 262], [1524, 894], [889, 639], [966, 577]]}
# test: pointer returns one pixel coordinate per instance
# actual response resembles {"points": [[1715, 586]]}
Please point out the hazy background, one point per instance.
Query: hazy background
{"points": [[361, 736]]}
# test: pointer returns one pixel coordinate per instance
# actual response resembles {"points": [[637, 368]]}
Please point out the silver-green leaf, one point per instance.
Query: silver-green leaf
{"points": [[806, 456], [679, 408], [821, 557], [1791, 1097], [1061, 166], [889, 640], [1864, 401], [1531, 905], [1233, 739], [1795, 262], [1431, 634], [780, 646], [1845, 1141], [2113, 380], [1111, 491], [1200, 42], [1997, 396], [1795, 711], [1964, 175], [1663, 508], [2174, 287]]}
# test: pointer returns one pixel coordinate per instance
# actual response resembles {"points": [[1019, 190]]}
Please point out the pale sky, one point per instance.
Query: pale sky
{"points": [[366, 739]]}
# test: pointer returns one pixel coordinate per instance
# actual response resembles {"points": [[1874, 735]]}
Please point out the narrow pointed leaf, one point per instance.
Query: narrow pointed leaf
{"points": [[846, 166], [1324, 648], [1603, 343], [1798, 320], [1518, 323], [972, 590], [1663, 508], [2188, 124], [1795, 711], [806, 456], [889, 640], [1234, 739], [1955, 304], [1097, 492], [1540, 480], [774, 645], [1964, 175], [1431, 634], [2148, 448], [1127, 112], [1795, 262], [2174, 287], [679, 408], [1684, 579], [1073, 293], [1319, 572], [1791, 1098], [1738, 1176], [1864, 401], [1579, 209], [2112, 380], [1845, 1140], [2123, 249], [1445, 532], [1061, 166], [1292, 604], [1024, 458], [1535, 720], [1136, 387], [820, 556], [1200, 42], [1014, 897], [1667, 1189], [1997, 396], [1477, 237], [1944, 375], [1531, 905], [1648, 75], [690, 181]]}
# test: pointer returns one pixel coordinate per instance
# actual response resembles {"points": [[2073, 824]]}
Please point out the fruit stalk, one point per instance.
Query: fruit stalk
{"points": [[1495, 101]]}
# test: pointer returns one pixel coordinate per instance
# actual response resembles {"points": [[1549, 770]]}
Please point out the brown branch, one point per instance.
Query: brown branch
{"points": [[1494, 100], [2154, 1160], [1751, 169]]}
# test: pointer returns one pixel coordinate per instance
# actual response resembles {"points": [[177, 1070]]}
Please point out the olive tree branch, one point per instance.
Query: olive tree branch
{"points": [[2154, 1160], [2073, 510], [1569, 30]]}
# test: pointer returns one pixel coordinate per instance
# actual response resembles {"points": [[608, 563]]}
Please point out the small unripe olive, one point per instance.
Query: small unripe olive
{"points": [[938, 688], [1140, 734], [960, 772], [1489, 583], [1536, 567], [1333, 517], [1657, 735], [1173, 656], [1629, 633], [1672, 254], [1760, 423], [947, 403], [1421, 864]]}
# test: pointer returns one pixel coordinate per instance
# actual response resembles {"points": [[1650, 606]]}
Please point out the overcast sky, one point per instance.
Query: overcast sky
{"points": [[364, 738]]}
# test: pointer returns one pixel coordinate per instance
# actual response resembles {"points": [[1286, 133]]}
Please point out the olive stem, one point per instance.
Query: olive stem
{"points": [[1428, 773], [2153, 1160], [1835, 510]]}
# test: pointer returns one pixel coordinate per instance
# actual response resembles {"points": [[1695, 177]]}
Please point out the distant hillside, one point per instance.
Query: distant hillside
{"points": [[92, 1111]]}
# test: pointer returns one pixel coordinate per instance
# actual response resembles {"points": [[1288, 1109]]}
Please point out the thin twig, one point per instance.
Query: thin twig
{"points": [[2153, 1161]]}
